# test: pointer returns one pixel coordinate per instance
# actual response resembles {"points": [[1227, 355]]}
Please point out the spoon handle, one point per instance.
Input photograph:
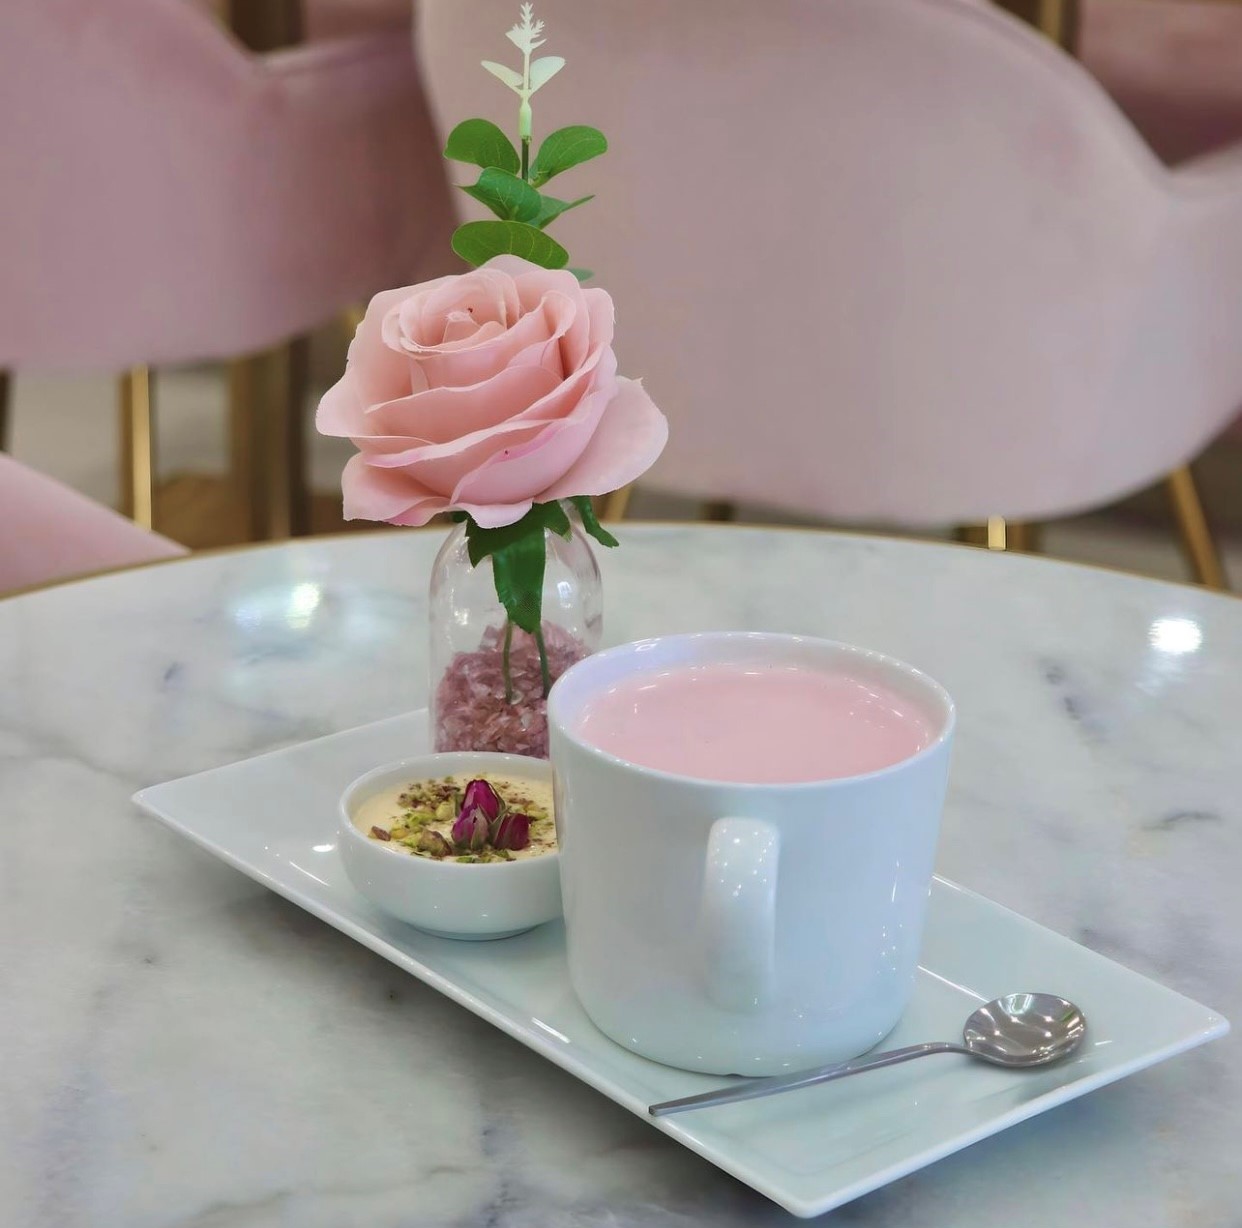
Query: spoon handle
{"points": [[753, 1089]]}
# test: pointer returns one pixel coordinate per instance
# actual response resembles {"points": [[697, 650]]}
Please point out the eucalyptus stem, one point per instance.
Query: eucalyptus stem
{"points": [[543, 660], [524, 115], [504, 661]]}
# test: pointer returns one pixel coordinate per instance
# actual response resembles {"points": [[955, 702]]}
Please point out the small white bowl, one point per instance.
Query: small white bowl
{"points": [[451, 899]]}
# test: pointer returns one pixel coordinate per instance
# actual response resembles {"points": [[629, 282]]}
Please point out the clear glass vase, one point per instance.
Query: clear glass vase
{"points": [[489, 678]]}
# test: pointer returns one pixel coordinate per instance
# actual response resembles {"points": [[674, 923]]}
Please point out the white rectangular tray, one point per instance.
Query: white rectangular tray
{"points": [[274, 818]]}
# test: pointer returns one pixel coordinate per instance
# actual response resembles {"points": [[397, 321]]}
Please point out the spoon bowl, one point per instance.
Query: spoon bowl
{"points": [[1024, 1029]]}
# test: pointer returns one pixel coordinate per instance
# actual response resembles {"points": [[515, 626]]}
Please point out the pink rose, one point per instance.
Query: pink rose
{"points": [[486, 392]]}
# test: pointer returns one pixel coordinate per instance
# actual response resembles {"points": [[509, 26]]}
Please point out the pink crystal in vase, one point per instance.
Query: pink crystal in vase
{"points": [[487, 681]]}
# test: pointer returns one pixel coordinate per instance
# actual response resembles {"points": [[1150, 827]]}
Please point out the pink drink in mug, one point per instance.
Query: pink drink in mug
{"points": [[760, 722]]}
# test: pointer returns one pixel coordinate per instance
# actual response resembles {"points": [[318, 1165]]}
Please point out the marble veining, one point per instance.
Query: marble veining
{"points": [[183, 1048]]}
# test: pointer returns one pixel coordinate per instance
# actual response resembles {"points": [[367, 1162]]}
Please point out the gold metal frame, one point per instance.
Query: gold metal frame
{"points": [[1058, 19], [6, 389], [267, 408], [614, 506], [136, 409], [1196, 537], [997, 533], [265, 25]]}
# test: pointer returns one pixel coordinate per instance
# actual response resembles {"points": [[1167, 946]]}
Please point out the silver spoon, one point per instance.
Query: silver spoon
{"points": [[1018, 1030]]}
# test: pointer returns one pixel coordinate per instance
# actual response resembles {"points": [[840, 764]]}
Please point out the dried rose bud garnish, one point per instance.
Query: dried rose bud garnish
{"points": [[511, 831], [482, 796], [470, 831]]}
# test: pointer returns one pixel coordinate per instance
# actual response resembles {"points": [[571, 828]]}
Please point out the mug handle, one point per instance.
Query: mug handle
{"points": [[737, 913]]}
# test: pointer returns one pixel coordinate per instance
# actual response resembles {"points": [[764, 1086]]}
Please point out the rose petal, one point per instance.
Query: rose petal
{"points": [[628, 441], [381, 373], [445, 415], [493, 515], [342, 410], [382, 494], [597, 326], [532, 281], [373, 372], [444, 467], [534, 464], [418, 322], [490, 352]]}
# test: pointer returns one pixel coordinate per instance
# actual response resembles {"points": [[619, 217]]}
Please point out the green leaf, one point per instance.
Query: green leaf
{"points": [[518, 570], [554, 518], [543, 70], [551, 208], [518, 553], [590, 522], [564, 148], [506, 195], [481, 142], [583, 274], [512, 79], [478, 242], [481, 542]]}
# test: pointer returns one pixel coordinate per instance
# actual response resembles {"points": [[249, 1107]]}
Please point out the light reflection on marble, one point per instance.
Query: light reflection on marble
{"points": [[183, 1048]]}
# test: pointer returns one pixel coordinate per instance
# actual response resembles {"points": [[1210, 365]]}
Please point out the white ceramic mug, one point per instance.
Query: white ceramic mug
{"points": [[734, 928]]}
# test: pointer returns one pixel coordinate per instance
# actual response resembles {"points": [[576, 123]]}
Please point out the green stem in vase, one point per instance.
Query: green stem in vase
{"points": [[545, 673], [519, 556], [504, 661]]}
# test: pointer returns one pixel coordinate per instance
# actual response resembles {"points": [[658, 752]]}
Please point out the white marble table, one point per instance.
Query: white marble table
{"points": [[181, 1047]]}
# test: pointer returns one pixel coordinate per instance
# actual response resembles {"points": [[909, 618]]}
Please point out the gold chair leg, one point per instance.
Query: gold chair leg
{"points": [[137, 421], [614, 506], [351, 318], [6, 389], [1001, 534], [721, 510], [267, 24], [267, 410], [1023, 536], [1058, 19], [1196, 537]]}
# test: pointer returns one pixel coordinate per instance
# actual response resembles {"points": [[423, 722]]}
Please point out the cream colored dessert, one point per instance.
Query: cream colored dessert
{"points": [[418, 818]]}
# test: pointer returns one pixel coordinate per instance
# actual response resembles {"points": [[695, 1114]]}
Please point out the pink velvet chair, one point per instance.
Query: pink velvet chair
{"points": [[170, 196], [53, 533], [1173, 66], [882, 260]]}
